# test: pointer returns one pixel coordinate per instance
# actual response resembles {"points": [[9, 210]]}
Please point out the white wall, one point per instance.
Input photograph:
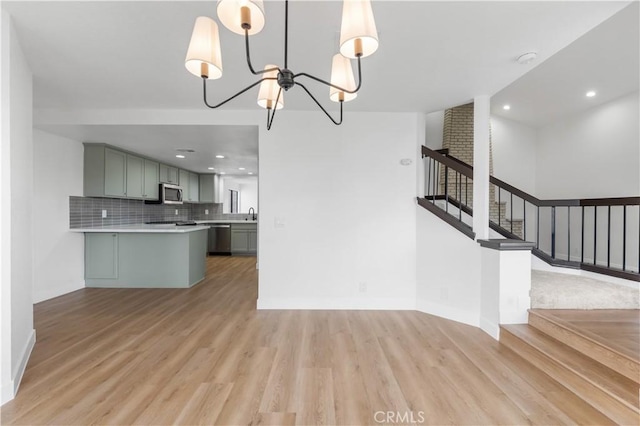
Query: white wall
{"points": [[248, 195], [17, 258], [592, 154], [514, 153], [228, 184], [448, 270], [337, 212], [434, 127], [58, 254]]}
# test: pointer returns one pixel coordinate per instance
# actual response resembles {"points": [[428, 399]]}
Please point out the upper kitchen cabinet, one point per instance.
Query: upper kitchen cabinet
{"points": [[168, 174], [190, 184], [208, 188], [112, 173]]}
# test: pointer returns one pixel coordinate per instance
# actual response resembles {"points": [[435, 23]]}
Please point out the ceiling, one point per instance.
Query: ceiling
{"points": [[130, 54], [605, 60]]}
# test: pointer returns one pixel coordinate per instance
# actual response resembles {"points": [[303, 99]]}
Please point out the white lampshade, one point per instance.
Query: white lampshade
{"points": [[342, 75], [269, 90], [204, 48], [230, 14], [358, 23]]}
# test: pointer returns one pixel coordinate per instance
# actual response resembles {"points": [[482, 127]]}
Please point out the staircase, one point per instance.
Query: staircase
{"points": [[600, 365]]}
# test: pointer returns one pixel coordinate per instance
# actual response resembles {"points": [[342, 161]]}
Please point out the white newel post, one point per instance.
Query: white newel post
{"points": [[505, 283], [481, 138]]}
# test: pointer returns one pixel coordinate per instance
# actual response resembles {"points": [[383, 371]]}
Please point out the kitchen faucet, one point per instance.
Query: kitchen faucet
{"points": [[252, 212]]}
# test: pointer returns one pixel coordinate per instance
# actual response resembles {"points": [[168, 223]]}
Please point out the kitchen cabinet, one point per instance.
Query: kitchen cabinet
{"points": [[151, 180], [190, 184], [244, 238], [169, 174], [208, 188], [135, 177], [101, 256], [115, 173]]}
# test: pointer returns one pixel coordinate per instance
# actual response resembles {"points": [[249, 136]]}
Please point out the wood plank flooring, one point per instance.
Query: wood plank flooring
{"points": [[205, 356]]}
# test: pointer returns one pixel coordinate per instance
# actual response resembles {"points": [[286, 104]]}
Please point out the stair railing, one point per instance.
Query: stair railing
{"points": [[600, 235]]}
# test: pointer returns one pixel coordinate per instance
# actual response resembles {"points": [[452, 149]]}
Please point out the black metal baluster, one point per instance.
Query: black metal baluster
{"points": [[499, 205], [460, 199], [569, 233], [624, 237], [582, 238], [538, 227], [446, 188], [511, 208], [595, 232], [608, 236], [435, 182], [524, 220], [428, 177], [553, 232], [466, 190]]}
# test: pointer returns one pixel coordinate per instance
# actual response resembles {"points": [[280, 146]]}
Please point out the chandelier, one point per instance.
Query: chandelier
{"points": [[358, 39]]}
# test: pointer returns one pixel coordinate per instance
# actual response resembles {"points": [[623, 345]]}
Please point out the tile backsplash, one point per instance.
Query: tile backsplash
{"points": [[86, 212]]}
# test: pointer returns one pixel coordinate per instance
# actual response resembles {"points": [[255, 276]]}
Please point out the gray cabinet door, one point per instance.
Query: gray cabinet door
{"points": [[239, 241], [253, 241], [183, 181], [207, 189], [194, 188], [115, 173], [135, 177], [101, 255], [151, 180], [168, 174]]}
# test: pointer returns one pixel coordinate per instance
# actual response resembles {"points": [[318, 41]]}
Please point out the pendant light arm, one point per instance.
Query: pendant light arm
{"points": [[342, 89], [204, 90], [273, 113], [253, 71], [337, 123]]}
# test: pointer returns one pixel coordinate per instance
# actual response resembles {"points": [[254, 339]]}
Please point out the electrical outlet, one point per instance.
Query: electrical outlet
{"points": [[176, 212], [104, 214], [206, 211], [362, 287]]}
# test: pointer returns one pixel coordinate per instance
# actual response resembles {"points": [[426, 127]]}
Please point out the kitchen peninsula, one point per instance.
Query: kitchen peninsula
{"points": [[144, 256]]}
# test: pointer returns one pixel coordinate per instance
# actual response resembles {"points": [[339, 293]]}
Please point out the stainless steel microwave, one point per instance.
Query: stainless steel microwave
{"points": [[170, 194]]}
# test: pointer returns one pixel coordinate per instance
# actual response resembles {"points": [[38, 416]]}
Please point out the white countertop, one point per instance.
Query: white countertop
{"points": [[225, 221], [144, 228]]}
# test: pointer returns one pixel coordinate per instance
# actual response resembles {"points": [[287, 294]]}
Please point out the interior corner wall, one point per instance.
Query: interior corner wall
{"points": [[434, 129], [58, 254], [514, 148], [448, 270], [17, 196], [592, 154], [337, 212]]}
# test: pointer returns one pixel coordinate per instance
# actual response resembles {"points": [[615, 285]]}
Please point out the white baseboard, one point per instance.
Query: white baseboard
{"points": [[448, 312], [50, 293], [491, 328], [9, 390], [338, 304]]}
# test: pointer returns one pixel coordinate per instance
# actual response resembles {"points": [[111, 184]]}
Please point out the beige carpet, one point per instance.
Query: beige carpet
{"points": [[550, 290]]}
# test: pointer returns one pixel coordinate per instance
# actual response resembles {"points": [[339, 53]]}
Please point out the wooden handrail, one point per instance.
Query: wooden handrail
{"points": [[467, 170]]}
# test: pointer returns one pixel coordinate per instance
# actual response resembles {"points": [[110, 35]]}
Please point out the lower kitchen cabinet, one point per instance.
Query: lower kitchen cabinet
{"points": [[244, 238], [101, 256]]}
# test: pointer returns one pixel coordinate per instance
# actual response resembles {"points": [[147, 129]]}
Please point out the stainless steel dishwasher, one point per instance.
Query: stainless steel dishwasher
{"points": [[220, 239]]}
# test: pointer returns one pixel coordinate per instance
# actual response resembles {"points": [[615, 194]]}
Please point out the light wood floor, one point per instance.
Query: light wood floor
{"points": [[206, 356], [616, 329]]}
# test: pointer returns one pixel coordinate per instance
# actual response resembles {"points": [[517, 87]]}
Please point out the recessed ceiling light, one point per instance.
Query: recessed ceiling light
{"points": [[591, 94], [507, 107], [219, 156], [241, 168], [210, 168], [179, 156], [250, 173], [222, 173]]}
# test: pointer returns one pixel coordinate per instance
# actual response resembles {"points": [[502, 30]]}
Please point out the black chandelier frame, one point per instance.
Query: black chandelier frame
{"points": [[286, 79]]}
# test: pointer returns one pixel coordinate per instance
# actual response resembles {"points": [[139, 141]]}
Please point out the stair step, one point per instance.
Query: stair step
{"points": [[611, 393], [586, 343]]}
